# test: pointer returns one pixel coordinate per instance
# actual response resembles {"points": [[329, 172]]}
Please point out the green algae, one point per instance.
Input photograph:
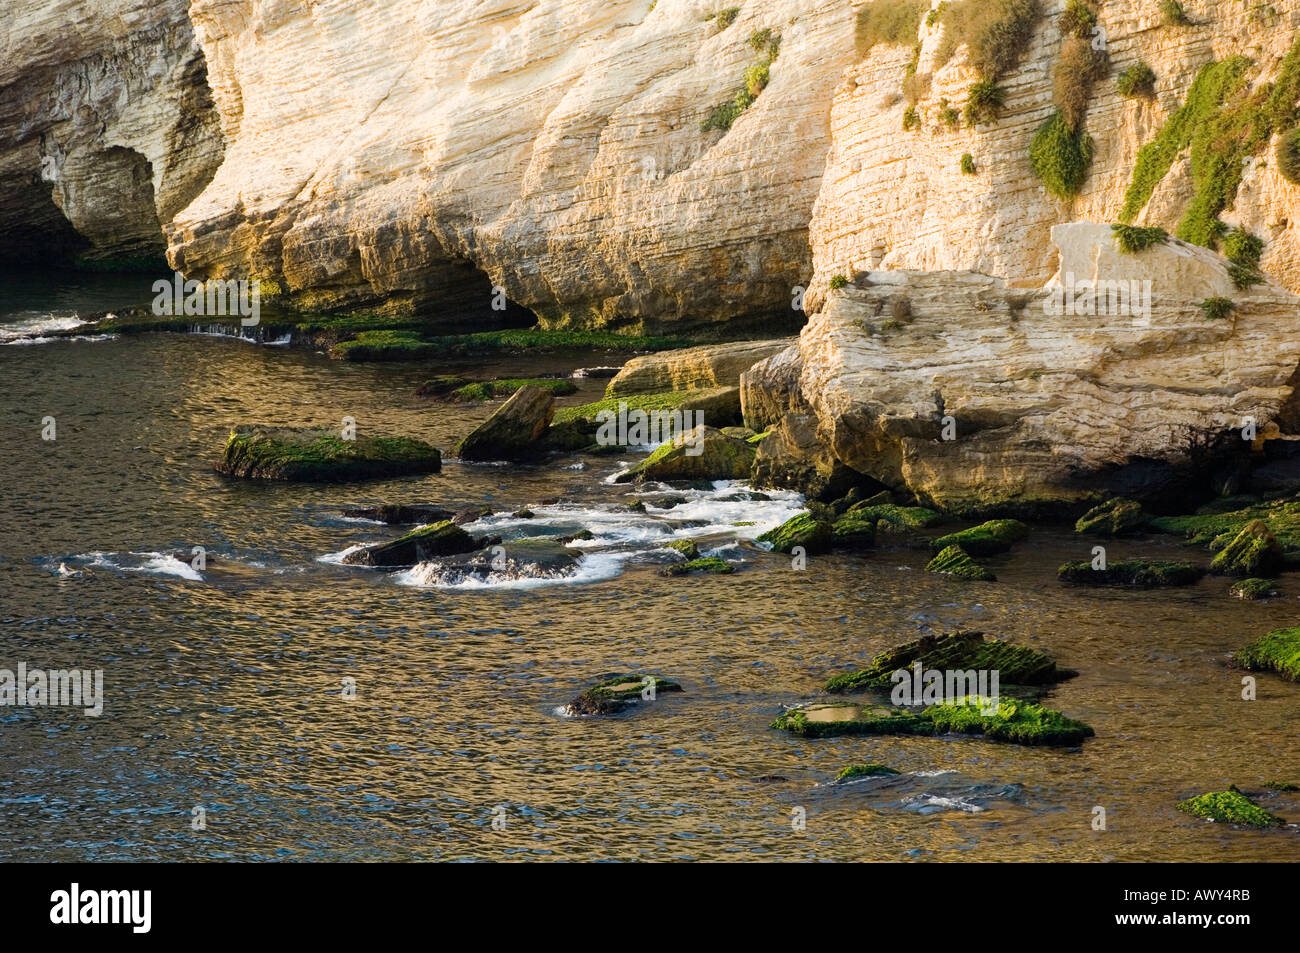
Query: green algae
{"points": [[615, 693], [1229, 807], [987, 539], [1134, 573], [964, 650], [849, 532], [1253, 589], [1252, 552], [911, 517], [487, 390], [864, 771], [686, 547], [1117, 517], [322, 456], [814, 535], [1282, 518], [712, 565], [1014, 721], [1278, 651], [954, 561]]}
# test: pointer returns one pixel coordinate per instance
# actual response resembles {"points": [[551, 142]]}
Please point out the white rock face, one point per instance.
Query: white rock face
{"points": [[975, 395], [410, 155], [106, 126]]}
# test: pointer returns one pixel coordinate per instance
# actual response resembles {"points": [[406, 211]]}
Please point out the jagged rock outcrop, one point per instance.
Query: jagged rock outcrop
{"points": [[692, 368], [976, 396]]}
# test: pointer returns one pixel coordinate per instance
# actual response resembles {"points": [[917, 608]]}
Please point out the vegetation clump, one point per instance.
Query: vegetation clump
{"points": [[707, 564], [1252, 552], [617, 693], [996, 33], [1229, 807], [864, 771], [984, 102], [1132, 239], [753, 82], [1174, 13], [1077, 70], [1137, 81], [1060, 156], [838, 281], [906, 517], [1278, 651], [1217, 309], [814, 535], [322, 456], [1133, 573], [1014, 721], [987, 539], [1243, 251], [1253, 589], [888, 21], [967, 164], [1288, 156], [954, 561], [486, 390]]}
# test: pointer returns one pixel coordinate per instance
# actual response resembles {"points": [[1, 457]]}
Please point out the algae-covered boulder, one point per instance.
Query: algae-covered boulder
{"points": [[814, 535], [441, 386], [1229, 807], [1135, 573], [1218, 521], [1117, 517], [954, 651], [427, 542], [615, 693], [512, 432], [987, 539], [864, 771], [707, 564], [909, 517], [954, 561], [396, 514], [702, 453], [1253, 552], [687, 547], [1252, 589], [317, 455], [1278, 651], [850, 532], [1015, 721]]}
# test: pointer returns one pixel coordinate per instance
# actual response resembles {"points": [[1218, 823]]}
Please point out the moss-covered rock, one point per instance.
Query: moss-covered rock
{"points": [[707, 564], [1018, 722], [383, 346], [864, 771], [850, 532], [1252, 589], [1278, 651], [441, 386], [964, 650], [427, 542], [686, 547], [1117, 517], [1229, 807], [703, 453], [322, 456], [987, 539], [396, 514], [814, 535], [615, 693], [1252, 552], [954, 561], [1135, 573], [911, 517], [1282, 518], [720, 406], [487, 390]]}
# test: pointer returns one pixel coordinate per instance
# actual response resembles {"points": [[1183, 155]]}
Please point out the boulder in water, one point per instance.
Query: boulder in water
{"points": [[428, 542], [399, 514], [512, 432], [616, 693], [318, 455]]}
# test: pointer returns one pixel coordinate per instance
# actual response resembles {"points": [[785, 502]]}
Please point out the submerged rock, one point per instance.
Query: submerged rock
{"points": [[863, 771], [1229, 807], [814, 535], [617, 693], [321, 456], [1018, 722], [428, 542], [1117, 517], [1278, 651], [399, 515], [441, 386], [987, 539], [511, 433], [702, 453], [962, 650], [954, 561], [1253, 552], [1253, 589], [1137, 573], [706, 564]]}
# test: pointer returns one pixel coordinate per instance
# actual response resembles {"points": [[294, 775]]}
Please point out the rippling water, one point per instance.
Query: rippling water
{"points": [[223, 688]]}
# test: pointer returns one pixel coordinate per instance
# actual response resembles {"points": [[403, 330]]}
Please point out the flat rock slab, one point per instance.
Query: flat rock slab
{"points": [[321, 456]]}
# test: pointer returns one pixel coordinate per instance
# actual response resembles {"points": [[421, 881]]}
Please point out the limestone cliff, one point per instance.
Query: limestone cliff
{"points": [[632, 163]]}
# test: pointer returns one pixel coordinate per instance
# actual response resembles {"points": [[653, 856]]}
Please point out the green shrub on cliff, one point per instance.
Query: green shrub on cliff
{"points": [[996, 33], [1060, 157], [723, 18], [888, 21], [1077, 69], [753, 81], [1132, 239], [1138, 80], [1288, 156], [1243, 250], [967, 164], [984, 102], [1217, 309], [1078, 19], [1174, 13]]}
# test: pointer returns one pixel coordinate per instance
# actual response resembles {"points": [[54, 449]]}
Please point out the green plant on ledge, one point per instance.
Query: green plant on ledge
{"points": [[1078, 19], [1131, 239], [838, 282], [1174, 14], [1288, 156], [1216, 309], [984, 102], [754, 81], [723, 18], [1243, 251], [1060, 156], [1139, 80], [967, 164], [911, 119], [888, 21]]}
